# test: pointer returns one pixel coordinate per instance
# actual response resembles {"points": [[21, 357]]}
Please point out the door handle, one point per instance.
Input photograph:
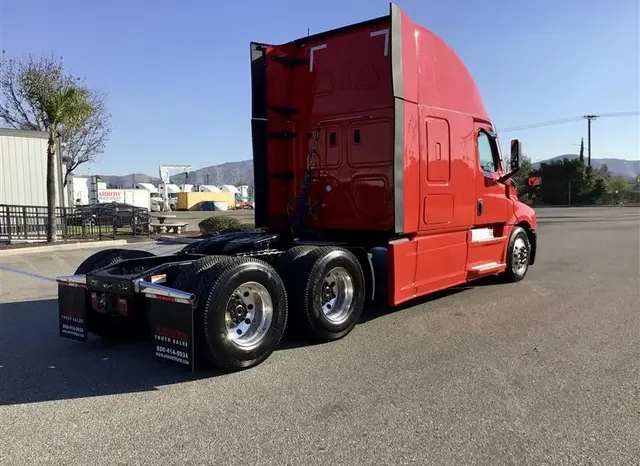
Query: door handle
{"points": [[480, 206]]}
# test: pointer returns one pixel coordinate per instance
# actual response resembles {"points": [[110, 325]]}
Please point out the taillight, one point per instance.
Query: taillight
{"points": [[122, 306]]}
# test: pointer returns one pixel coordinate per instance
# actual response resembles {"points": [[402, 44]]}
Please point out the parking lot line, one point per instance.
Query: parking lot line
{"points": [[28, 274]]}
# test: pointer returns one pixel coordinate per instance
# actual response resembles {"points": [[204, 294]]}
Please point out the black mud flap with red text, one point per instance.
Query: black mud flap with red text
{"points": [[171, 322], [72, 315]]}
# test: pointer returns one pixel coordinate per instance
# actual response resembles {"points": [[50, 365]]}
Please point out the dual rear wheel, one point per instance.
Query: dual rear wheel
{"points": [[244, 305]]}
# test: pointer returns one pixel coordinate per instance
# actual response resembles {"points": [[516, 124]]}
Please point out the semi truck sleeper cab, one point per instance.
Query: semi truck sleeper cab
{"points": [[378, 177]]}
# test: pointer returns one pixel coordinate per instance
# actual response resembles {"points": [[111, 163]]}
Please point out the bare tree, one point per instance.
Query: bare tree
{"points": [[80, 143], [37, 94]]}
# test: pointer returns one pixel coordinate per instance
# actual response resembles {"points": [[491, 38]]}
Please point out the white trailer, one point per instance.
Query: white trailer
{"points": [[136, 197], [208, 188], [81, 189], [148, 186]]}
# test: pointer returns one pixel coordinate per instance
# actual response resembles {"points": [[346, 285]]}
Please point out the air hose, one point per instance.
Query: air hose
{"points": [[303, 198]]}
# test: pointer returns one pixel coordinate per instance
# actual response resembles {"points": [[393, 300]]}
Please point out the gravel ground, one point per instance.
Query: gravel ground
{"points": [[544, 372]]}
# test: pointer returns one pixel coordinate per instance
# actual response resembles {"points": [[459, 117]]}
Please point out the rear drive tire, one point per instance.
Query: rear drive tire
{"points": [[241, 312], [285, 266], [518, 253], [126, 254], [187, 279], [284, 262], [96, 261], [328, 293]]}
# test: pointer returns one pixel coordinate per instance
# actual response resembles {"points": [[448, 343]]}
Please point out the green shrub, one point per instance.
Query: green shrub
{"points": [[241, 227], [218, 223]]}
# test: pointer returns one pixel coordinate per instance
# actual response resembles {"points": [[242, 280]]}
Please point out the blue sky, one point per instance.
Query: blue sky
{"points": [[177, 72]]}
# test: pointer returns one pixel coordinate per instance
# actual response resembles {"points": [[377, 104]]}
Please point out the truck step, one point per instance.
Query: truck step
{"points": [[290, 61], [285, 110], [485, 267], [283, 134]]}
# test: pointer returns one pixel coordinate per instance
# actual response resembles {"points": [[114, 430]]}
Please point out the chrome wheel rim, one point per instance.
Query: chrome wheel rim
{"points": [[248, 315], [520, 256], [337, 295]]}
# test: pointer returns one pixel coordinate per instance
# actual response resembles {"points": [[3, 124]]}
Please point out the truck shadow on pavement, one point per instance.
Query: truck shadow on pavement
{"points": [[37, 365]]}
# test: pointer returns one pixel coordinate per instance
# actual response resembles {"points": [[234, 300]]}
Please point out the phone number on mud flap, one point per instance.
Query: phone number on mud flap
{"points": [[177, 353], [70, 329]]}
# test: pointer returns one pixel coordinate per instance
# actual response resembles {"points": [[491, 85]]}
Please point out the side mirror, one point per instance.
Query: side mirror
{"points": [[534, 181], [516, 152]]}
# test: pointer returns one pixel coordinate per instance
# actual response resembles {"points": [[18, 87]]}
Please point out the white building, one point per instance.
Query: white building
{"points": [[23, 169]]}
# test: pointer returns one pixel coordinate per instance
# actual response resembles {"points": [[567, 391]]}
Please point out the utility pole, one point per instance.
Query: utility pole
{"points": [[589, 118]]}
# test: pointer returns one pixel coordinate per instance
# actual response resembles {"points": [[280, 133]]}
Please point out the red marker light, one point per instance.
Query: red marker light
{"points": [[122, 306]]}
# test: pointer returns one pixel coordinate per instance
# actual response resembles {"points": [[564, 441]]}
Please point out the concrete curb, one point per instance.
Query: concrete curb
{"points": [[62, 247]]}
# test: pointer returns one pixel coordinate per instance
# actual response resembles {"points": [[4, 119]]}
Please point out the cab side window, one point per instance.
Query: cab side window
{"points": [[486, 156]]}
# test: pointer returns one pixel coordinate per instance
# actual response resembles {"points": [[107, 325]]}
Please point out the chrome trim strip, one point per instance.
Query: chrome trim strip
{"points": [[80, 279], [149, 288]]}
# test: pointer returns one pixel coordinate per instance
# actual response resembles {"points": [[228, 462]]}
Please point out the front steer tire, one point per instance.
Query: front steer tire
{"points": [[518, 253], [328, 293], [237, 288]]}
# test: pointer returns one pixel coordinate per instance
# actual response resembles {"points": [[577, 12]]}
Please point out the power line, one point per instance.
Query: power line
{"points": [[566, 120], [618, 114], [540, 125], [589, 119]]}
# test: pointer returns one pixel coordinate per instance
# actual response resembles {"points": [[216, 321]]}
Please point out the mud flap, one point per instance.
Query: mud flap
{"points": [[72, 315], [171, 322]]}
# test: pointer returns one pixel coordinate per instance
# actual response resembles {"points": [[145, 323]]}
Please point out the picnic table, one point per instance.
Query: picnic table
{"points": [[162, 218], [166, 227]]}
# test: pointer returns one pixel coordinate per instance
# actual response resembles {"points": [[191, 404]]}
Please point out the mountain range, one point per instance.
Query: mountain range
{"points": [[238, 173], [627, 169], [235, 173]]}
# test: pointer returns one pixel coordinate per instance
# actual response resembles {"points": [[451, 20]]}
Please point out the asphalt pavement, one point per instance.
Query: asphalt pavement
{"points": [[543, 372]]}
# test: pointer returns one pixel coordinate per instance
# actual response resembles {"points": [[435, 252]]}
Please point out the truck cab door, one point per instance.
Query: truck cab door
{"points": [[487, 239], [492, 202]]}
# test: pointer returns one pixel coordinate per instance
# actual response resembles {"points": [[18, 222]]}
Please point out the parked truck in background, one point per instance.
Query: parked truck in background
{"points": [[378, 177]]}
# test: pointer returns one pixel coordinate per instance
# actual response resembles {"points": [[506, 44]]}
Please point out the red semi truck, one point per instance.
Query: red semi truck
{"points": [[378, 177]]}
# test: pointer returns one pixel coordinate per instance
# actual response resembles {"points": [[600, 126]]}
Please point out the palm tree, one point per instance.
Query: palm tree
{"points": [[62, 104]]}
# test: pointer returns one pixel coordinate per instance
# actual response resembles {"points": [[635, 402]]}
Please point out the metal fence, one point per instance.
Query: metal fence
{"points": [[99, 221]]}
